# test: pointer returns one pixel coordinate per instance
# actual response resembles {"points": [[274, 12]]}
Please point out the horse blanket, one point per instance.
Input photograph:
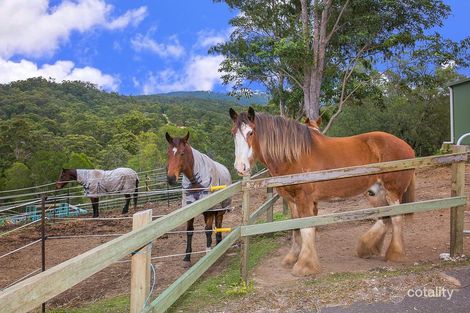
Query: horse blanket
{"points": [[207, 173], [98, 182]]}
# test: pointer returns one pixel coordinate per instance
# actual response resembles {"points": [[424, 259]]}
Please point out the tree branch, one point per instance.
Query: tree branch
{"points": [[342, 98], [335, 27]]}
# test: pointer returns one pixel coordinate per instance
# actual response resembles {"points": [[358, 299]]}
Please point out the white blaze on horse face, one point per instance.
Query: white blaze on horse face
{"points": [[243, 152], [174, 151]]}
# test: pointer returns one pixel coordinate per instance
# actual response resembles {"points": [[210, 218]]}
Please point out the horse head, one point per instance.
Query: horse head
{"points": [[313, 124], [178, 157], [243, 132], [65, 176]]}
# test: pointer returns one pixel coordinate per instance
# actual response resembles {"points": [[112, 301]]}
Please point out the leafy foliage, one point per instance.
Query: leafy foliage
{"points": [[46, 126]]}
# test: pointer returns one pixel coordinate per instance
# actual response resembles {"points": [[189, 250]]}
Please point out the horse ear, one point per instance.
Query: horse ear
{"points": [[233, 115], [251, 114], [307, 121], [168, 138], [319, 121], [185, 139]]}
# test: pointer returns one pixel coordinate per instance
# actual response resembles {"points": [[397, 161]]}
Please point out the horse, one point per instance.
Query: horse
{"points": [[98, 182], [286, 146], [199, 173]]}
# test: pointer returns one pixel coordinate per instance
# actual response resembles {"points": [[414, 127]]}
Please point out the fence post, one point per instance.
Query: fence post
{"points": [[285, 207], [43, 241], [269, 211], [140, 266], [244, 252], [457, 213]]}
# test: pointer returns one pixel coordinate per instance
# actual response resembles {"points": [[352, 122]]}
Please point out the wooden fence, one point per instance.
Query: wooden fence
{"points": [[457, 202], [33, 291]]}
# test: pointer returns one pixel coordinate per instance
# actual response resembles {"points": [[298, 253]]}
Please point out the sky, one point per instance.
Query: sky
{"points": [[131, 47]]}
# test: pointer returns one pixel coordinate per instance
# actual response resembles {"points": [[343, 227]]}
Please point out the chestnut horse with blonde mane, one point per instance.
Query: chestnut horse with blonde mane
{"points": [[286, 147]]}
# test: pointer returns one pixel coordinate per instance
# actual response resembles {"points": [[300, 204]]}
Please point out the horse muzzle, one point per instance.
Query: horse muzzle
{"points": [[172, 180]]}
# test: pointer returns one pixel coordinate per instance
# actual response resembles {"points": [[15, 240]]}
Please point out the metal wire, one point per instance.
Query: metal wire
{"points": [[18, 228], [20, 248], [84, 236], [22, 278]]}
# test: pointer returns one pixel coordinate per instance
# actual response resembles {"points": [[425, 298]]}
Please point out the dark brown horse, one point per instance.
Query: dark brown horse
{"points": [[199, 173], [288, 147], [99, 182]]}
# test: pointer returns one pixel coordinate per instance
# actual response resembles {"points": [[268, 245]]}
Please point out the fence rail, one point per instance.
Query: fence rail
{"points": [[354, 171], [31, 292], [371, 213]]}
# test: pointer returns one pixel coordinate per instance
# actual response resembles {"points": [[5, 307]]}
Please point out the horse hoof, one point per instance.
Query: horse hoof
{"points": [[186, 264], [367, 249], [302, 270], [288, 261], [396, 257]]}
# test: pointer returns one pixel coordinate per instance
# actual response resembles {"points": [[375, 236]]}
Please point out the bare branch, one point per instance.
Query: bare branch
{"points": [[291, 76], [335, 27], [342, 98]]}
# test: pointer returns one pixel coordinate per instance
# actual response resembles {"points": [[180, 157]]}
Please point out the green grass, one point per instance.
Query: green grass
{"points": [[113, 305], [226, 285]]}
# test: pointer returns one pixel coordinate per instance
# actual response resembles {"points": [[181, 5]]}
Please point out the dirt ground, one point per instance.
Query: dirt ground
{"points": [[426, 236]]}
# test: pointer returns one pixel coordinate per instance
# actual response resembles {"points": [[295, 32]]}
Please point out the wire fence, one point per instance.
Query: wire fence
{"points": [[154, 188], [151, 191]]}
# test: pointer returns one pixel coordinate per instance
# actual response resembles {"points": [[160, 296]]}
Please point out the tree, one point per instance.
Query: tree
{"points": [[18, 175], [78, 160], [419, 114], [328, 48], [114, 156], [46, 165]]}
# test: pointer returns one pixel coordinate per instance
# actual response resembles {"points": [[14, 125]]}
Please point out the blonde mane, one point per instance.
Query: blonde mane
{"points": [[280, 139]]}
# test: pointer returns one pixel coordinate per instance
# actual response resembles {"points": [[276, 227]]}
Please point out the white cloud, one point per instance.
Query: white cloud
{"points": [[199, 73], [208, 38], [448, 64], [132, 17], [60, 70], [145, 43], [34, 28]]}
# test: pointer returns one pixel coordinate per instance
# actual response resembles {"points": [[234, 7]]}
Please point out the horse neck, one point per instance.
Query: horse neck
{"points": [[73, 173], [189, 165], [81, 175], [275, 168]]}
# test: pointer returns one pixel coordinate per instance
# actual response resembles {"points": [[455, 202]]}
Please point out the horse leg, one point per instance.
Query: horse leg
{"points": [[136, 193], [307, 263], [209, 219], [218, 224], [396, 249], [189, 240], [95, 205], [371, 243], [290, 259], [125, 209]]}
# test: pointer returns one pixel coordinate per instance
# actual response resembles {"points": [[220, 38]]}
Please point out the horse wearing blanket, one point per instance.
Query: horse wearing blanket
{"points": [[199, 173], [98, 182]]}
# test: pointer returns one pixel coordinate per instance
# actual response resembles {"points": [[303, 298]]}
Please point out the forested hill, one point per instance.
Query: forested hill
{"points": [[255, 98], [45, 126]]}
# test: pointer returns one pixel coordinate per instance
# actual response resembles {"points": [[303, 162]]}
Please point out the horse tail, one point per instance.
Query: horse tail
{"points": [[136, 192], [410, 195]]}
